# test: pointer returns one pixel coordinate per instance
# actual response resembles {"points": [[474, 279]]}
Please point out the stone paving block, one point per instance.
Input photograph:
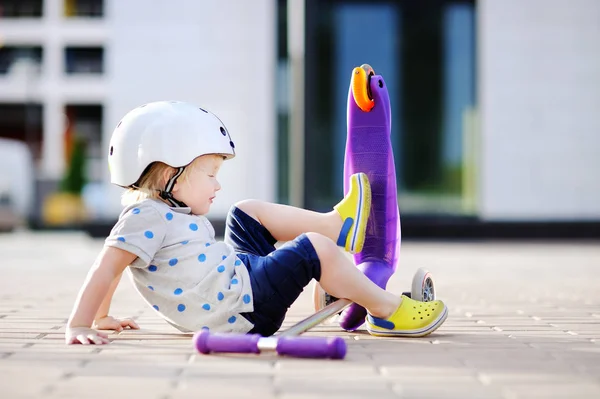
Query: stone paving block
{"points": [[549, 390], [506, 378], [134, 369], [224, 387], [368, 387], [58, 361], [127, 387], [333, 395], [118, 350], [150, 358], [205, 366], [447, 391], [16, 379], [415, 359], [305, 367], [54, 349], [421, 374], [19, 335], [521, 365]]}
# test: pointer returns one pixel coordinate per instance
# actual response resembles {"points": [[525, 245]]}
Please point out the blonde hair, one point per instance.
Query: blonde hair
{"points": [[154, 179], [151, 183]]}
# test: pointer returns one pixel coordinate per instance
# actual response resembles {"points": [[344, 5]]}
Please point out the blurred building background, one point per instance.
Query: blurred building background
{"points": [[496, 103]]}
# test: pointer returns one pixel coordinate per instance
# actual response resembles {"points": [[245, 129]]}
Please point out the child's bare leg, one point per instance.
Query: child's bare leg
{"points": [[340, 278], [345, 225], [286, 222]]}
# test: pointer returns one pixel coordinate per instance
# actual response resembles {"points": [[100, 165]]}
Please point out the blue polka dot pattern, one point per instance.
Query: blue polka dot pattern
{"points": [[169, 216], [178, 291], [246, 298], [234, 281], [220, 296], [151, 288], [184, 242], [181, 307], [206, 306], [231, 320], [193, 226], [224, 257], [221, 269], [208, 244], [201, 258], [152, 268], [238, 262], [205, 328], [122, 239], [173, 262], [155, 307], [135, 211], [149, 234]]}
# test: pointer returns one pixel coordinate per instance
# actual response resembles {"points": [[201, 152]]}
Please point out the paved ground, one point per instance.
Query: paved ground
{"points": [[524, 322]]}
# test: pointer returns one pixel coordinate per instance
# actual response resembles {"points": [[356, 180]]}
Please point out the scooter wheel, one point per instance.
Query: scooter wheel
{"points": [[321, 298], [423, 287]]}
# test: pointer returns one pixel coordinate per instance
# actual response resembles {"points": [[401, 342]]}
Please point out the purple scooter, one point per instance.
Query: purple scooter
{"points": [[369, 150]]}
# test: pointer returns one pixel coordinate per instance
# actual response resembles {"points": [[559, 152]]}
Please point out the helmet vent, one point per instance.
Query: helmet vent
{"points": [[111, 150], [119, 123], [223, 132], [142, 106], [231, 144], [203, 110]]}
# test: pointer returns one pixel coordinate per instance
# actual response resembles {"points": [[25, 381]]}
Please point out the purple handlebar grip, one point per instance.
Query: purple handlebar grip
{"points": [[313, 347], [205, 342]]}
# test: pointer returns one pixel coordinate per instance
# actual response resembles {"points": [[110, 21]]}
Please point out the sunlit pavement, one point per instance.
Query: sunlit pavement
{"points": [[524, 323]]}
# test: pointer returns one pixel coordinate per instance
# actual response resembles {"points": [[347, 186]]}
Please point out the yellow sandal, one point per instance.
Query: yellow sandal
{"points": [[354, 210], [411, 319]]}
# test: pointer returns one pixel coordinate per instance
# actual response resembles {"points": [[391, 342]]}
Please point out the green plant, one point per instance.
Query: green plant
{"points": [[75, 176]]}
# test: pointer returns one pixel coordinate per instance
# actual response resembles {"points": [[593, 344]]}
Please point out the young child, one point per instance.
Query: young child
{"points": [[168, 155]]}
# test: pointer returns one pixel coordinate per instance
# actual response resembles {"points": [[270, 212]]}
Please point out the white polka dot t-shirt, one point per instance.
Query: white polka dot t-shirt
{"points": [[188, 277]]}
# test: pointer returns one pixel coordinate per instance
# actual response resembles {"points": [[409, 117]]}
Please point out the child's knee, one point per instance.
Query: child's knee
{"points": [[248, 206], [324, 246]]}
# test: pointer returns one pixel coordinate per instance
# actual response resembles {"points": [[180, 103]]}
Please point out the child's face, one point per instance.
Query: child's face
{"points": [[200, 188]]}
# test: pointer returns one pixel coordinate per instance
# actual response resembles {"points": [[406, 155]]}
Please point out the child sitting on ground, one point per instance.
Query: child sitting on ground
{"points": [[168, 155]]}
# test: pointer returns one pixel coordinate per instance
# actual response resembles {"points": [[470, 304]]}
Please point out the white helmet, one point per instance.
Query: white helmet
{"points": [[172, 132]]}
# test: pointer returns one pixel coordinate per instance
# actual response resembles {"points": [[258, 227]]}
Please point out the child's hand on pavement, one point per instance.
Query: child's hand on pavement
{"points": [[85, 336], [110, 323]]}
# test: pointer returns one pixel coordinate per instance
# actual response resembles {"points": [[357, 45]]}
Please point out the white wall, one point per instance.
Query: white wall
{"points": [[540, 109], [217, 54]]}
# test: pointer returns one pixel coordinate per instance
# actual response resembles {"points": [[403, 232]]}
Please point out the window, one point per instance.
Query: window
{"points": [[84, 122], [13, 58], [21, 8], [84, 60], [84, 8], [426, 54], [23, 121]]}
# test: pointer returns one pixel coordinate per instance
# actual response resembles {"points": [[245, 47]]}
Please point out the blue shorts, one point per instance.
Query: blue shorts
{"points": [[277, 276]]}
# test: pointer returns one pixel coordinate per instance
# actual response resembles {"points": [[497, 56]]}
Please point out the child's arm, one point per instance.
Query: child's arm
{"points": [[109, 265], [105, 305], [103, 321]]}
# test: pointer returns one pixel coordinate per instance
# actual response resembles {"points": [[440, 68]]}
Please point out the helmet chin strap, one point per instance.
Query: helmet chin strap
{"points": [[166, 193]]}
